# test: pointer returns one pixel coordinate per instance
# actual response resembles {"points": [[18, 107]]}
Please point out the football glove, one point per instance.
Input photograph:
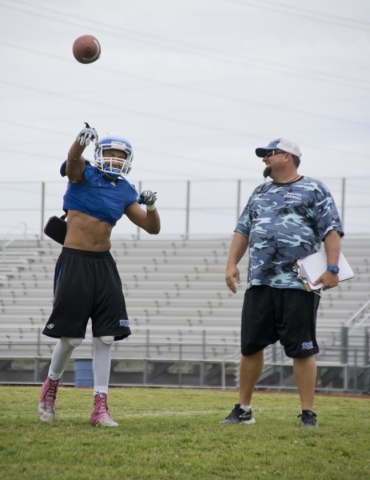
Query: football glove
{"points": [[147, 198], [87, 135]]}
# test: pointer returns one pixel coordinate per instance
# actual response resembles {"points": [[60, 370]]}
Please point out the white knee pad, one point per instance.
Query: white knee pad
{"points": [[74, 342], [107, 340]]}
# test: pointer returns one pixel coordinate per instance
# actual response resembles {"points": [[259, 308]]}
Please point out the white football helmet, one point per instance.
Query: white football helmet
{"points": [[117, 142]]}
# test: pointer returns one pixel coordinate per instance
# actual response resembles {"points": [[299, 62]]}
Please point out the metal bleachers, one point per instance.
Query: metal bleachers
{"points": [[173, 297], [176, 297]]}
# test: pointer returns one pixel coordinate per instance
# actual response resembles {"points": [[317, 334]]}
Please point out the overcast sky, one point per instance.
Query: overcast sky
{"points": [[195, 85]]}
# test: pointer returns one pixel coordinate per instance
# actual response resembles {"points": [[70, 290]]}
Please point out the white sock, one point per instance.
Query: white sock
{"points": [[245, 407], [98, 390], [54, 376], [61, 354], [101, 365]]}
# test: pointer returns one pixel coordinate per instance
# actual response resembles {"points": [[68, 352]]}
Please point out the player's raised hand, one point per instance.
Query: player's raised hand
{"points": [[147, 197], [87, 135]]}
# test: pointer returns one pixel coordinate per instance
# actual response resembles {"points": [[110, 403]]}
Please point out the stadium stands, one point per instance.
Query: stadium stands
{"points": [[177, 300]]}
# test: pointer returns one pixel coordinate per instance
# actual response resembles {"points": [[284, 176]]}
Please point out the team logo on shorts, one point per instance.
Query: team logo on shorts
{"points": [[124, 323], [51, 325], [307, 346]]}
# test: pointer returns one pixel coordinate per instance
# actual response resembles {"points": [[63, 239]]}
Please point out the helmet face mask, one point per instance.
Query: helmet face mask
{"points": [[114, 167]]}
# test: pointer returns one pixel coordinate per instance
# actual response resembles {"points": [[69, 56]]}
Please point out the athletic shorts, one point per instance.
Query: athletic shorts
{"points": [[87, 285], [272, 314]]}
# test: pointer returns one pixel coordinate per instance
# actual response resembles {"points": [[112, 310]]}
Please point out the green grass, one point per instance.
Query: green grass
{"points": [[175, 434]]}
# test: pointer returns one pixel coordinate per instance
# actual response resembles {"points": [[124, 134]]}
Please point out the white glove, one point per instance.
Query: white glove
{"points": [[87, 135], [147, 198]]}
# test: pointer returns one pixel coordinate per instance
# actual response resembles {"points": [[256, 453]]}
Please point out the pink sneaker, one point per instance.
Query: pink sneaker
{"points": [[100, 415], [46, 408]]}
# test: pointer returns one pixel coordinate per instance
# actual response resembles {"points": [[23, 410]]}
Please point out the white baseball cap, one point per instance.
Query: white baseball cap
{"points": [[280, 144]]}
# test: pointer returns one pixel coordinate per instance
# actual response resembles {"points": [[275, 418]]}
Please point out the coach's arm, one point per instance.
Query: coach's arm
{"points": [[332, 250], [238, 247]]}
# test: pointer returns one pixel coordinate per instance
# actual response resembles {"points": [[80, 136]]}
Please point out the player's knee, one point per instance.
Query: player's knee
{"points": [[108, 340], [74, 342]]}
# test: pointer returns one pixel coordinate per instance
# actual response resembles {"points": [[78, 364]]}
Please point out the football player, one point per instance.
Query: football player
{"points": [[87, 283]]}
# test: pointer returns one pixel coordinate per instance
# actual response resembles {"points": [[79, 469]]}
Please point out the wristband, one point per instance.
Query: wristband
{"points": [[150, 208]]}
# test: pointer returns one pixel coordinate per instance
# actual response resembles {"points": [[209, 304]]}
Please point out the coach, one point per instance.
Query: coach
{"points": [[285, 219]]}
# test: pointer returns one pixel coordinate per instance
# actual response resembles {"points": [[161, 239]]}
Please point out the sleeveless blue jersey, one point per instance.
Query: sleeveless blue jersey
{"points": [[98, 196], [286, 222]]}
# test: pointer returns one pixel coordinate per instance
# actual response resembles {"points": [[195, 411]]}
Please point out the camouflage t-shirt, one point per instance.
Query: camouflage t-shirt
{"points": [[285, 222]]}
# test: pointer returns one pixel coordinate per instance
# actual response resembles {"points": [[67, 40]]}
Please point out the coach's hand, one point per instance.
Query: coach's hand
{"points": [[232, 277], [87, 135], [328, 280]]}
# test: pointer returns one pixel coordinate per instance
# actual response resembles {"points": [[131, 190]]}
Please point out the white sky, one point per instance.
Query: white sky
{"points": [[194, 85]]}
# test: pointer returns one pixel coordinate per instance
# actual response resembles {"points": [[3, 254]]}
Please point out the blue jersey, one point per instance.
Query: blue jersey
{"points": [[285, 222], [99, 196]]}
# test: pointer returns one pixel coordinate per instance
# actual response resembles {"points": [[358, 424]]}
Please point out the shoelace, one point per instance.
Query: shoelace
{"points": [[102, 404], [51, 392]]}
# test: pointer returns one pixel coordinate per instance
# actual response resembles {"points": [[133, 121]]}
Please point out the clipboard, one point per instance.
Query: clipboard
{"points": [[312, 267]]}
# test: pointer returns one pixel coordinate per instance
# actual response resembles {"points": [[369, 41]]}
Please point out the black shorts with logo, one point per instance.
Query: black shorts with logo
{"points": [[272, 314], [87, 285]]}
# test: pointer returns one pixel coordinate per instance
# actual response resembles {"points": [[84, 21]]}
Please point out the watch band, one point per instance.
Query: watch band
{"points": [[333, 269]]}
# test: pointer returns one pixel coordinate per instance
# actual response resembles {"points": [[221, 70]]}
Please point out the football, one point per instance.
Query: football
{"points": [[86, 49]]}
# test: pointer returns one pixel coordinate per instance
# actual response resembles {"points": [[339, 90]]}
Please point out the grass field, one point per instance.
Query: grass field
{"points": [[175, 434]]}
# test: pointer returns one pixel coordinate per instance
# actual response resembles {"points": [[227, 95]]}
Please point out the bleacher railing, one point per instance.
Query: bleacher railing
{"points": [[359, 318], [18, 232]]}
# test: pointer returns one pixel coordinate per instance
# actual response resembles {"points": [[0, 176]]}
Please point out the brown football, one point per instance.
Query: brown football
{"points": [[86, 49]]}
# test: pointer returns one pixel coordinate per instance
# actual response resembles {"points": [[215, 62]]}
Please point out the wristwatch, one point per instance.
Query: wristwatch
{"points": [[333, 269]]}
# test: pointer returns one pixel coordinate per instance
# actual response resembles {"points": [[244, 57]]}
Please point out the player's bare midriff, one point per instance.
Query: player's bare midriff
{"points": [[85, 232]]}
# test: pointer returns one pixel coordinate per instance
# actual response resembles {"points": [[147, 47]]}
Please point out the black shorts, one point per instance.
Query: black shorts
{"points": [[87, 285], [272, 314]]}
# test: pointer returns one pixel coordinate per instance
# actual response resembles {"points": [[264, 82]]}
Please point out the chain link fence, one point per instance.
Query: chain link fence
{"points": [[195, 364], [187, 208]]}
